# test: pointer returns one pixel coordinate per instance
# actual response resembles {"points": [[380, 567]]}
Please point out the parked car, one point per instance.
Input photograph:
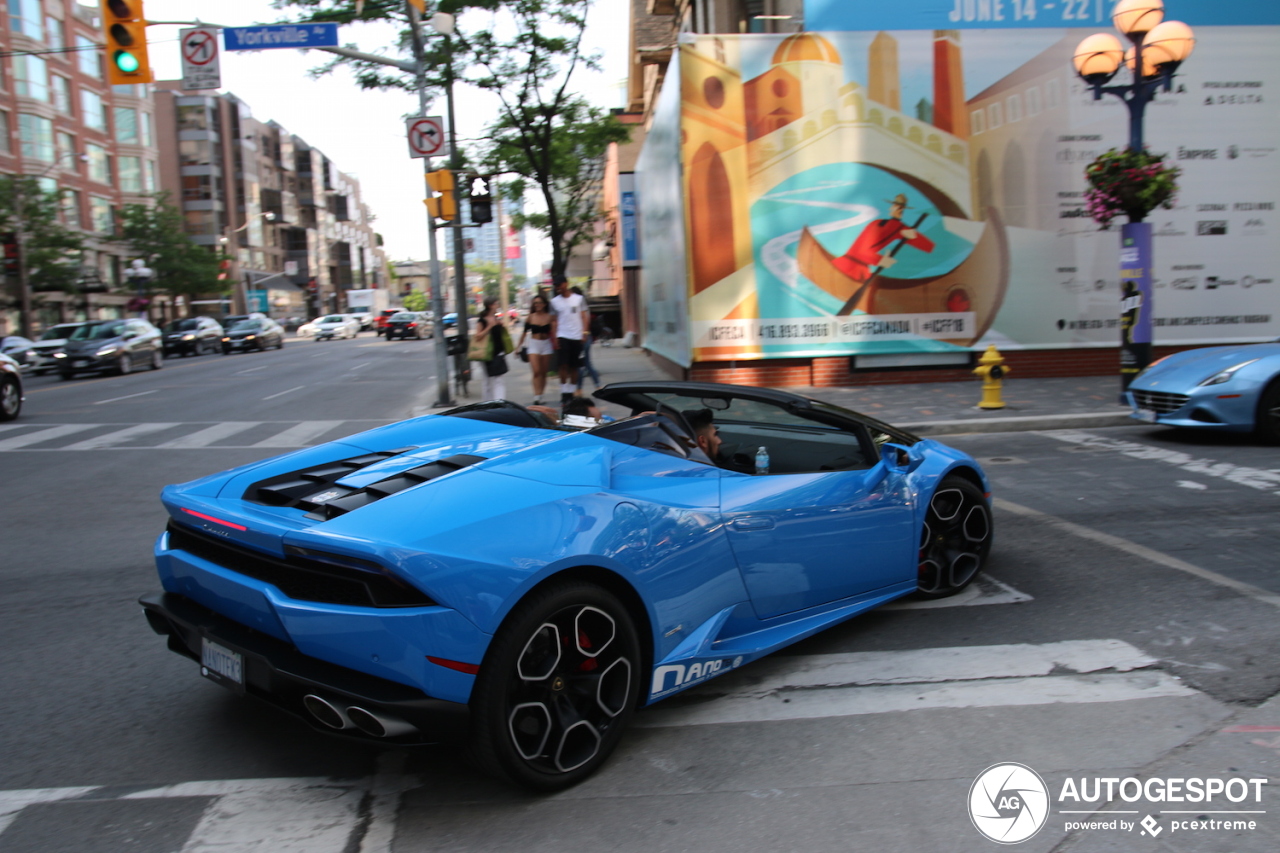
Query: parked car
{"points": [[449, 321], [192, 336], [336, 326], [1230, 389], [52, 341], [10, 388], [119, 346], [20, 349], [408, 324], [553, 581], [253, 333], [380, 322], [365, 318]]}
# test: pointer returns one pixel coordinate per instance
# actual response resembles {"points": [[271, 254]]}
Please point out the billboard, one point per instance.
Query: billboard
{"points": [[921, 191]]}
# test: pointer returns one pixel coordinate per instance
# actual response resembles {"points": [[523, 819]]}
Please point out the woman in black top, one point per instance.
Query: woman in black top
{"points": [[537, 332]]}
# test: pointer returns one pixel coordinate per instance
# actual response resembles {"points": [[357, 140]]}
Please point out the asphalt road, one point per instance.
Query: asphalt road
{"points": [[1127, 625]]}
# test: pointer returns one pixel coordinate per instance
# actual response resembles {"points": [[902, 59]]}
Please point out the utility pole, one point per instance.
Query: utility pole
{"points": [[443, 23], [443, 398]]}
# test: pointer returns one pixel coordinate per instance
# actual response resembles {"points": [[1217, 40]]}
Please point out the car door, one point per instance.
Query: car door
{"points": [[807, 538]]}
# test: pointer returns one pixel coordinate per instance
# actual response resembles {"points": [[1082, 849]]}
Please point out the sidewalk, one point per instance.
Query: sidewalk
{"points": [[931, 408]]}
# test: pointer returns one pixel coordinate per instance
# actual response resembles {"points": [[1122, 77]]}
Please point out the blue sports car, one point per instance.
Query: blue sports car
{"points": [[551, 581], [1230, 388]]}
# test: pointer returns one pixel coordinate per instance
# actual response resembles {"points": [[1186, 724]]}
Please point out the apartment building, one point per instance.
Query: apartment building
{"points": [[295, 230], [62, 123]]}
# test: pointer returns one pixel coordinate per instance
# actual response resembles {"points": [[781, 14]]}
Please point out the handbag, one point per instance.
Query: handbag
{"points": [[480, 349], [496, 366], [523, 354]]}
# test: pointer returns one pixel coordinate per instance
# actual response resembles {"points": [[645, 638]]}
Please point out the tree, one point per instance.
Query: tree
{"points": [[155, 233], [546, 136], [50, 253], [415, 300]]}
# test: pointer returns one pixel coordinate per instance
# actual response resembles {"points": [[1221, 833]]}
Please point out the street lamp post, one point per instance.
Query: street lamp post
{"points": [[140, 274], [225, 240], [1158, 48]]}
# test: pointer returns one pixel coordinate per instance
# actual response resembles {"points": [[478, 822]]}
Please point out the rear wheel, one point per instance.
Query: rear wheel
{"points": [[1268, 420], [157, 360], [557, 687], [955, 539], [126, 364], [10, 399]]}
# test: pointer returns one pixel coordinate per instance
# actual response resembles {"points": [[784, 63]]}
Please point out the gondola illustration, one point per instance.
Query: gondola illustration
{"points": [[977, 284]]}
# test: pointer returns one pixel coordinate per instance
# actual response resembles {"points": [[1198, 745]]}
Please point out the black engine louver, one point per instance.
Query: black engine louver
{"points": [[317, 491]]}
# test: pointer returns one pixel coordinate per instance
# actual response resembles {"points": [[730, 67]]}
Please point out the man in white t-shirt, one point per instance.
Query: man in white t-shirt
{"points": [[570, 321]]}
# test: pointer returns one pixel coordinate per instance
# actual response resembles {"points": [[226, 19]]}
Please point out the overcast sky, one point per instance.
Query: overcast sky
{"points": [[362, 131]]}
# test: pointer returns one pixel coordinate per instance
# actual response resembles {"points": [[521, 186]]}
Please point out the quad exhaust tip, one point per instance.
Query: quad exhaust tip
{"points": [[372, 723]]}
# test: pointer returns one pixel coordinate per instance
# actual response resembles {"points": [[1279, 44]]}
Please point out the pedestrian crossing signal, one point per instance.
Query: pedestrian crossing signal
{"points": [[124, 36], [481, 197]]}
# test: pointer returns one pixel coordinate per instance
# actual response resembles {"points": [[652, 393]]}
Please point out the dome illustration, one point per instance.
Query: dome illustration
{"points": [[803, 47]]}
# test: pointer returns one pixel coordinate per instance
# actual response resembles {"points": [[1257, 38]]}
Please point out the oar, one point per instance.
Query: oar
{"points": [[853, 300]]}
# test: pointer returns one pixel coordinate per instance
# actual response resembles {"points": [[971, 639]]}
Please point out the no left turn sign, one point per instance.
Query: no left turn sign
{"points": [[200, 66], [426, 136]]}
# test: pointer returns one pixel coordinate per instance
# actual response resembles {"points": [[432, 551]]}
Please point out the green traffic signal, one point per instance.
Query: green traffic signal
{"points": [[126, 62]]}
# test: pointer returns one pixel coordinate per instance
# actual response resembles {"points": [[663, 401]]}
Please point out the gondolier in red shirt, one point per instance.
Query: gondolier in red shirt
{"points": [[871, 249]]}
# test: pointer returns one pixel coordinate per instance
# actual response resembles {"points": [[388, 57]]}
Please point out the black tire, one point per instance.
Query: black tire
{"points": [[157, 359], [1267, 422], [125, 367], [10, 398], [545, 712], [66, 375], [955, 539]]}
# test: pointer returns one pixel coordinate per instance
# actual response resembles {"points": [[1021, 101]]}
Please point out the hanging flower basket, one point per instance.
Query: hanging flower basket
{"points": [[1130, 182], [137, 303]]}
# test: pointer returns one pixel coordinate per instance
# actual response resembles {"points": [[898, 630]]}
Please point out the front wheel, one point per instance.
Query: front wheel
{"points": [[955, 539], [1268, 422], [126, 364], [157, 360], [10, 399], [557, 687]]}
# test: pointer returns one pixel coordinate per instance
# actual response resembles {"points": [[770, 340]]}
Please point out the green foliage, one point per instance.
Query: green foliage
{"points": [[545, 136], [52, 253], [1129, 182], [415, 300], [155, 233]]}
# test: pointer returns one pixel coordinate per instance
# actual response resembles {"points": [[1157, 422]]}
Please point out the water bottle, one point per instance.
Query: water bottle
{"points": [[762, 460]]}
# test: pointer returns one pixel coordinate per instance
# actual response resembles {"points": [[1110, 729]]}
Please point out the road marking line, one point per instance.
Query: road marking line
{"points": [[1254, 478], [208, 435], [984, 590], [315, 819], [120, 436], [1142, 551], [282, 393], [12, 802], [387, 790], [250, 370], [806, 687], [300, 435], [126, 397], [43, 435]]}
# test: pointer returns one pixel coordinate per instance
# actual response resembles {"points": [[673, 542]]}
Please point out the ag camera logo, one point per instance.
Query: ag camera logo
{"points": [[1008, 803]]}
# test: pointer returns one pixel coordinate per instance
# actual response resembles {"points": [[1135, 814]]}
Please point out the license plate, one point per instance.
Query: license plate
{"points": [[79, 362], [220, 663], [1147, 415]]}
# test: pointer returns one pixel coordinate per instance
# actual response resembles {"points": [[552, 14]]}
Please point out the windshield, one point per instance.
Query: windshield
{"points": [[399, 317], [247, 325], [186, 325], [98, 331], [334, 318], [58, 332]]}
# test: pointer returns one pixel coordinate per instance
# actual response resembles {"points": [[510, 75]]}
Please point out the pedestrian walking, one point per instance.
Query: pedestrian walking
{"points": [[569, 327], [587, 368], [535, 340], [489, 346]]}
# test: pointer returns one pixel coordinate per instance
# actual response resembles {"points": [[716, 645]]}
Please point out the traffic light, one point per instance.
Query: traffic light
{"points": [[12, 255], [224, 269], [481, 199], [124, 35], [444, 205]]}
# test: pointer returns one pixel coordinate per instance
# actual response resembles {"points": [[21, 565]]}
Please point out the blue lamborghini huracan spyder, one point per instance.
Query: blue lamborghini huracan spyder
{"points": [[550, 581]]}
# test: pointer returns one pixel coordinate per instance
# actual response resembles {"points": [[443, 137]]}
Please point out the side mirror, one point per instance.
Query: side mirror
{"points": [[900, 458]]}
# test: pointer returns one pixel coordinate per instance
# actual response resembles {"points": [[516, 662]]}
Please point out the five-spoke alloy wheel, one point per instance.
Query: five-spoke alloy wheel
{"points": [[557, 687], [955, 538]]}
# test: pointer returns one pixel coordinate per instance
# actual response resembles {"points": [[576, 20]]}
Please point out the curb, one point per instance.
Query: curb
{"points": [[1083, 420]]}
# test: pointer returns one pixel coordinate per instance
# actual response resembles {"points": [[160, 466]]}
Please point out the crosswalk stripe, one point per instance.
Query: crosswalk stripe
{"points": [[208, 435], [805, 687], [13, 802], [314, 819], [120, 436], [300, 435], [43, 435]]}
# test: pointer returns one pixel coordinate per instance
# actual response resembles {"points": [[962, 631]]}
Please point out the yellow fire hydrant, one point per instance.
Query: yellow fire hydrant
{"points": [[992, 369]]}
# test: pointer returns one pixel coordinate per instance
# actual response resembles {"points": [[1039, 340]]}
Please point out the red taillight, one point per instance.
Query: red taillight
{"points": [[459, 666], [201, 515], [413, 325]]}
